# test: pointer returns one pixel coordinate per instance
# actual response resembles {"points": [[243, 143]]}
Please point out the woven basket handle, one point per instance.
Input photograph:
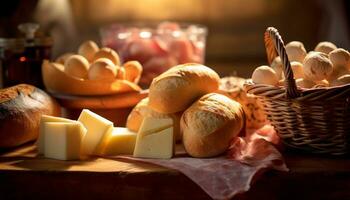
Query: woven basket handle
{"points": [[274, 45]]}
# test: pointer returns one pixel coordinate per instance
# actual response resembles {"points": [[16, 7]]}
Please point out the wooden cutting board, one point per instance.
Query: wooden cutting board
{"points": [[23, 175]]}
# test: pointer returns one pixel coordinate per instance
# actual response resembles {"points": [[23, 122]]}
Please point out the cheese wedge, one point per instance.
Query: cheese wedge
{"points": [[63, 140], [155, 138], [41, 140], [97, 128], [119, 141]]}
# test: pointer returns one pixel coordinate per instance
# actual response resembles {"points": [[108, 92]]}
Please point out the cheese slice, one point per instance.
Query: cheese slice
{"points": [[63, 140], [155, 138], [41, 140], [97, 128], [119, 141]]}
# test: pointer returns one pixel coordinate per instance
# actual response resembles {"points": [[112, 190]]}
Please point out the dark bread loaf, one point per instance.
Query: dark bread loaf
{"points": [[21, 107]]}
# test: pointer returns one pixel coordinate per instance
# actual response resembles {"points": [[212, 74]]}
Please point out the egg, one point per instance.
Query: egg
{"points": [[265, 75], [102, 69], [88, 49], [77, 66], [109, 54]]}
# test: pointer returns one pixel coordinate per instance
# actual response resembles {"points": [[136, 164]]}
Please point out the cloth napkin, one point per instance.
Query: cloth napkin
{"points": [[224, 177]]}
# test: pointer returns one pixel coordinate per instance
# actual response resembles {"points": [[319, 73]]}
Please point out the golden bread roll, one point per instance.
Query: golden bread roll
{"points": [[77, 66], [63, 58], [142, 110], [233, 87], [120, 73], [108, 53], [325, 47], [317, 66], [56, 81], [102, 69], [298, 70], [277, 66], [343, 80], [177, 88], [21, 109], [88, 49], [305, 83], [265, 75], [340, 58], [296, 51], [210, 124], [133, 71], [336, 73]]}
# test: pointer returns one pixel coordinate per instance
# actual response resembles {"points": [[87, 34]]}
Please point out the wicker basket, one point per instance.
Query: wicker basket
{"points": [[312, 120]]}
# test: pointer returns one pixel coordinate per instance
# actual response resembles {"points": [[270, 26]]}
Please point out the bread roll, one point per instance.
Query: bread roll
{"points": [[265, 75], [21, 108], [88, 49], [108, 53], [296, 51], [63, 58], [102, 69], [177, 88], [142, 110], [77, 66], [209, 125], [133, 71]]}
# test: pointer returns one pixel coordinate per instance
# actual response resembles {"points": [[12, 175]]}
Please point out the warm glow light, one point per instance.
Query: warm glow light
{"points": [[145, 34], [22, 59], [123, 36]]}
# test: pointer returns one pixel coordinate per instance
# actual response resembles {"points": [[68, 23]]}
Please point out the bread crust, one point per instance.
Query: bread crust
{"points": [[21, 107], [176, 89], [209, 125]]}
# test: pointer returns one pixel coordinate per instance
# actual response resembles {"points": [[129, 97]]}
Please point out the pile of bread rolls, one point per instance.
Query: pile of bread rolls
{"points": [[326, 66], [94, 63], [206, 121]]}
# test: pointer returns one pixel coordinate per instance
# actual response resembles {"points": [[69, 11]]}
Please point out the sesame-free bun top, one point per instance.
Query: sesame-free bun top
{"points": [[209, 125], [177, 88]]}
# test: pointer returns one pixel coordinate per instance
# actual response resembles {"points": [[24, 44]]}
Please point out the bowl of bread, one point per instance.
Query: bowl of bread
{"points": [[94, 78]]}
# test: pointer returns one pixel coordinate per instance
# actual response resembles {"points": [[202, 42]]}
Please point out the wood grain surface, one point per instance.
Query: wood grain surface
{"points": [[24, 175]]}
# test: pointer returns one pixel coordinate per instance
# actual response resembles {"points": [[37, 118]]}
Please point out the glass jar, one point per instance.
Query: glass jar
{"points": [[21, 59], [156, 46]]}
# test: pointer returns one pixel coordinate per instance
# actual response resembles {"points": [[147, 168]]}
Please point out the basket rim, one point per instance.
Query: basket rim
{"points": [[279, 92]]}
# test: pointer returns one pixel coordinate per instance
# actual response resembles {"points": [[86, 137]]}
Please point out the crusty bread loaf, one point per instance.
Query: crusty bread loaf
{"points": [[142, 110], [176, 89], [21, 107], [209, 125], [233, 87]]}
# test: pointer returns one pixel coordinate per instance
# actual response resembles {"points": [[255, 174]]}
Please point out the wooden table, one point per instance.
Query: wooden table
{"points": [[25, 176]]}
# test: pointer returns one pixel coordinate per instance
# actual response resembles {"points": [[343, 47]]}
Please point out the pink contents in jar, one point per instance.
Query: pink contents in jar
{"points": [[157, 47]]}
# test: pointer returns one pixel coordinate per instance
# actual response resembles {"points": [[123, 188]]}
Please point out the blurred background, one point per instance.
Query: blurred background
{"points": [[235, 27]]}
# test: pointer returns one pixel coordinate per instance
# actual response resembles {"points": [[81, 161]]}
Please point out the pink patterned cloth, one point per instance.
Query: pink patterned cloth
{"points": [[224, 177]]}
